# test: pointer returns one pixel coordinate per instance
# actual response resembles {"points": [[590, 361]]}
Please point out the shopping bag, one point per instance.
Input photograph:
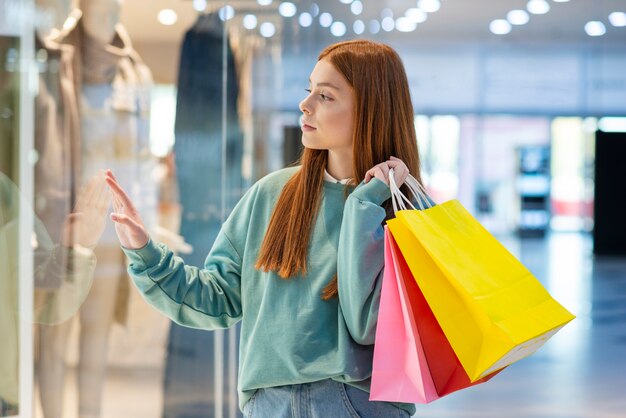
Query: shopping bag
{"points": [[413, 361], [492, 310], [400, 372]]}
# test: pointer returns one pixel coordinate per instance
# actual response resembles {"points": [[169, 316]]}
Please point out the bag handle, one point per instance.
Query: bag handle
{"points": [[398, 199]]}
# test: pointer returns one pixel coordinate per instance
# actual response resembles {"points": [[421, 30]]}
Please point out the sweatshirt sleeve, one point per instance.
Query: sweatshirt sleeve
{"points": [[206, 298], [360, 259]]}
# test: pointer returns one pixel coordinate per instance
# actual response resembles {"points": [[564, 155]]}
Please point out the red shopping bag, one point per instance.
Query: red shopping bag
{"points": [[413, 360]]}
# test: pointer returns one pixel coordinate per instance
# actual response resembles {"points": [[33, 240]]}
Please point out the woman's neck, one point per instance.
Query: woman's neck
{"points": [[340, 164]]}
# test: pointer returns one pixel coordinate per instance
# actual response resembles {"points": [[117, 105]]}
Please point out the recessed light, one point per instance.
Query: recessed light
{"points": [[595, 28], [338, 28], [417, 15], [429, 6], [326, 19], [538, 7], [315, 9], [618, 19], [167, 17], [199, 5], [405, 24], [374, 26], [267, 29], [517, 17], [356, 7], [287, 9], [249, 21], [358, 27], [227, 12], [388, 24], [387, 12], [500, 27], [305, 19]]}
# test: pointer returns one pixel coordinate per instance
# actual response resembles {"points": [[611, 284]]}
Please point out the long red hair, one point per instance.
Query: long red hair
{"points": [[383, 128]]}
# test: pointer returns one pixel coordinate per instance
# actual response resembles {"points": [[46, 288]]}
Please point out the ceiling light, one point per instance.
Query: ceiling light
{"points": [[356, 7], [249, 22], [429, 6], [287, 9], [338, 28], [346, 1], [305, 20], [538, 7], [388, 24], [167, 17], [560, 1], [227, 13], [595, 28], [517, 17], [358, 27], [326, 19], [417, 15], [500, 27], [405, 24], [267, 29], [264, 2], [387, 12], [315, 9], [199, 5], [618, 19], [374, 26]]}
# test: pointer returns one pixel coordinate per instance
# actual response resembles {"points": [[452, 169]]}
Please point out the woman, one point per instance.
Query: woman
{"points": [[300, 259]]}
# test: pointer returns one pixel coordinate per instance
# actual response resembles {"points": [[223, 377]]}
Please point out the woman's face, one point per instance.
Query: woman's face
{"points": [[328, 111]]}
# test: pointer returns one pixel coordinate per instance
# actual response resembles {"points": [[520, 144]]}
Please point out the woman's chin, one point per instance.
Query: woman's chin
{"points": [[311, 145]]}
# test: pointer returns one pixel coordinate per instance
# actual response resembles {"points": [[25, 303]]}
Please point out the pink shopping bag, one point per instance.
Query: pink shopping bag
{"points": [[399, 372], [413, 360]]}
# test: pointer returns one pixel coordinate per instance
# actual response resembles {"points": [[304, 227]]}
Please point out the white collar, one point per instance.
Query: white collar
{"points": [[330, 178]]}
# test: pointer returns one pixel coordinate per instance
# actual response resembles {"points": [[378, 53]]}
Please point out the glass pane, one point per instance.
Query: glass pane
{"points": [[10, 202]]}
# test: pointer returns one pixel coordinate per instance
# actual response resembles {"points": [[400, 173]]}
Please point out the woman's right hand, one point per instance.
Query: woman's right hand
{"points": [[128, 224]]}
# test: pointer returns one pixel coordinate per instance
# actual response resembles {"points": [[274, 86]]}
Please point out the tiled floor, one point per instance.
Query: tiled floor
{"points": [[579, 373]]}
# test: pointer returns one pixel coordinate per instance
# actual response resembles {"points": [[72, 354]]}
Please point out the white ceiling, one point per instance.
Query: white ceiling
{"points": [[456, 20]]}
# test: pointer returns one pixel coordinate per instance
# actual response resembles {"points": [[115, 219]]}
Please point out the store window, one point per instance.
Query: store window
{"points": [[573, 143], [438, 142], [191, 104]]}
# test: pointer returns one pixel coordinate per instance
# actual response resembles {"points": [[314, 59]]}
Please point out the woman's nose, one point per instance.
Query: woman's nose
{"points": [[304, 107]]}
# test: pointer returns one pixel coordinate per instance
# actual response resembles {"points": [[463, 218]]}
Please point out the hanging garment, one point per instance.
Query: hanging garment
{"points": [[198, 151]]}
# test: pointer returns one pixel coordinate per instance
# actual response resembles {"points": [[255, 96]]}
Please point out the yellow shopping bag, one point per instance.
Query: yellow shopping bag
{"points": [[491, 308]]}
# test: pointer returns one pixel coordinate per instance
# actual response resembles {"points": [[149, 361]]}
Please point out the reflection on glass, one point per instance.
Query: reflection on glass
{"points": [[92, 113], [9, 212], [63, 271]]}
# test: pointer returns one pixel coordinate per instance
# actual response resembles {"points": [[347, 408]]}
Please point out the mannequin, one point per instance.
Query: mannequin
{"points": [[113, 115]]}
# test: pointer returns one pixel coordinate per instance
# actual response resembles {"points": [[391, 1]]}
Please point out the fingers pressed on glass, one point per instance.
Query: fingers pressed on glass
{"points": [[120, 194]]}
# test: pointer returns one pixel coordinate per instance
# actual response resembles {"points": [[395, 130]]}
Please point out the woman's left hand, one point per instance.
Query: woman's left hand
{"points": [[381, 171]]}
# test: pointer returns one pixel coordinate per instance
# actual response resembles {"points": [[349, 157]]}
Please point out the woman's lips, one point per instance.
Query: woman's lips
{"points": [[307, 128]]}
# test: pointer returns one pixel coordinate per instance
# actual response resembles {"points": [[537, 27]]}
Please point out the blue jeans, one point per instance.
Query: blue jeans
{"points": [[323, 399]]}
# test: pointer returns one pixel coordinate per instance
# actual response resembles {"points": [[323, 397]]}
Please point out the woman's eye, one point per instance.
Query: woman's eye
{"points": [[324, 97]]}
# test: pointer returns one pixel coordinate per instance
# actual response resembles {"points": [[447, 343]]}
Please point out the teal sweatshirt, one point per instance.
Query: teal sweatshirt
{"points": [[289, 335]]}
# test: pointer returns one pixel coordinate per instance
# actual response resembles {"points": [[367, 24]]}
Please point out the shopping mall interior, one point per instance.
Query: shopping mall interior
{"points": [[519, 113]]}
